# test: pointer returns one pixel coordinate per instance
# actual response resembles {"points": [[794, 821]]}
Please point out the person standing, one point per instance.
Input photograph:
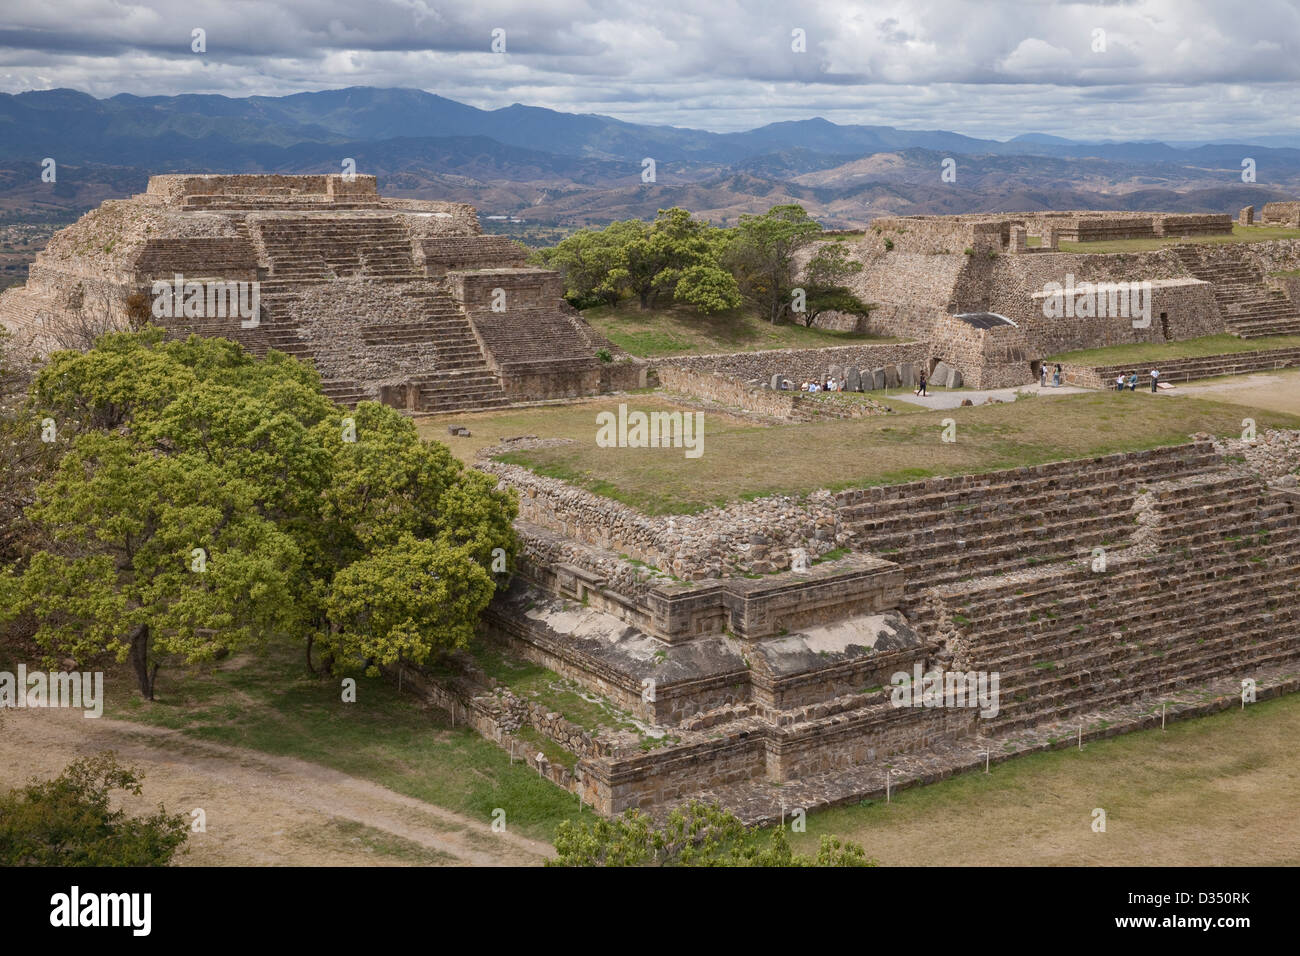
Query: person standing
{"points": [[920, 389], [1155, 378], [1119, 382], [1056, 377], [1042, 376]]}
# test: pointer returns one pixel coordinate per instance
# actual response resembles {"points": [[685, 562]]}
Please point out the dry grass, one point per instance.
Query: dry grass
{"points": [[743, 460], [683, 331], [1218, 790], [1278, 391], [1239, 234]]}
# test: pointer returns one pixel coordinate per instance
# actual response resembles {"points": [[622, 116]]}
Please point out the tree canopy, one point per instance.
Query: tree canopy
{"points": [[69, 821], [209, 501], [698, 834]]}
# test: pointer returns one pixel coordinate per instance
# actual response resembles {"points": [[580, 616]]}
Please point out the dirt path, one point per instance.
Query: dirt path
{"points": [[260, 809]]}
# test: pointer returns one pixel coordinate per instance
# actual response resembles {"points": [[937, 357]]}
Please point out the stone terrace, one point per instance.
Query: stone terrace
{"points": [[384, 297]]}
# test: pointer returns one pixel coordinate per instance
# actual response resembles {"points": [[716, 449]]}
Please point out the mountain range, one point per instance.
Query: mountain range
{"points": [[567, 170]]}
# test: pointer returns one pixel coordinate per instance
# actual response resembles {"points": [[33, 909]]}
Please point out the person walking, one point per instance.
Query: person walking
{"points": [[1155, 378], [1042, 376], [1056, 377], [920, 388]]}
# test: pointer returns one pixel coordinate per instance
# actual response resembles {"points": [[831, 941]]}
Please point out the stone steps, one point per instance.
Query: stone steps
{"points": [[1250, 308]]}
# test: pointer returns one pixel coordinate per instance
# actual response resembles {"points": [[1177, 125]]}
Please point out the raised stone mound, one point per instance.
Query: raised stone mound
{"points": [[752, 663], [385, 297]]}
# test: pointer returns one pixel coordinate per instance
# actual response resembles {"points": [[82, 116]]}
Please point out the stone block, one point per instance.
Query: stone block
{"points": [[892, 378], [907, 374], [853, 378], [954, 379], [877, 379], [942, 374]]}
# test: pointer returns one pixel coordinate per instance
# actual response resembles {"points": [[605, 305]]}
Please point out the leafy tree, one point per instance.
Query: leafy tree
{"points": [[198, 454], [699, 834], [69, 821], [154, 554], [709, 288], [761, 255], [595, 262], [648, 260], [406, 601]]}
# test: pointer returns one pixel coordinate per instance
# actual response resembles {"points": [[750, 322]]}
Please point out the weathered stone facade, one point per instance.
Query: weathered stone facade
{"points": [[400, 300], [786, 677]]}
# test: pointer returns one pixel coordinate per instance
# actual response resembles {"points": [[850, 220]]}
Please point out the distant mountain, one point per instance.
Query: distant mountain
{"points": [[572, 169]]}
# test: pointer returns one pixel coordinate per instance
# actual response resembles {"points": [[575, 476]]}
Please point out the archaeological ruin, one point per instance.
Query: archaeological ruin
{"points": [[751, 652], [401, 301]]}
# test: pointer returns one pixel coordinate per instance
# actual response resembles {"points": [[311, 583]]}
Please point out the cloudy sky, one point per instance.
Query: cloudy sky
{"points": [[1142, 69]]}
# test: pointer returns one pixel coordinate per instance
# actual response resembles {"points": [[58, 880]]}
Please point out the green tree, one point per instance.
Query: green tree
{"points": [[213, 458], [675, 258], [153, 555], [69, 821], [761, 256], [406, 601], [824, 286], [698, 834]]}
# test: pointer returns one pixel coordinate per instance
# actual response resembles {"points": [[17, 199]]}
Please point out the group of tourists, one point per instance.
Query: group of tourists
{"points": [[830, 385], [1131, 381], [1056, 376]]}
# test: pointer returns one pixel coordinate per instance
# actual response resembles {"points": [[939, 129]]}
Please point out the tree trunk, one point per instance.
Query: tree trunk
{"points": [[144, 676], [311, 639]]}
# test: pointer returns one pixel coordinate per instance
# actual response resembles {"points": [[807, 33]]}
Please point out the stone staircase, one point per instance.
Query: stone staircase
{"points": [[307, 251], [944, 530], [1249, 307], [1217, 597], [1185, 370], [326, 247]]}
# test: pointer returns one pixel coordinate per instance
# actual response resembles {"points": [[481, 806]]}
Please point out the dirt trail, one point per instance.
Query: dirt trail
{"points": [[261, 809]]}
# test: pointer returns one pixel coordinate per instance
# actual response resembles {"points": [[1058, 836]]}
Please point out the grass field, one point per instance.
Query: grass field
{"points": [[1221, 790], [1167, 351], [1239, 234], [270, 703], [683, 331], [743, 460]]}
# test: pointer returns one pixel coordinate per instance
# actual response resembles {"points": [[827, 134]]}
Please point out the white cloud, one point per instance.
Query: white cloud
{"points": [[1181, 68]]}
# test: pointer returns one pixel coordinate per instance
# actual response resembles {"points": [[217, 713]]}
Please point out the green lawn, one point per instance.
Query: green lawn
{"points": [[1192, 795], [683, 331], [271, 703], [743, 460], [1167, 351], [1239, 234]]}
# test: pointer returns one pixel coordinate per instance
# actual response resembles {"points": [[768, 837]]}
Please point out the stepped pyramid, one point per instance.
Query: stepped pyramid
{"points": [[401, 301]]}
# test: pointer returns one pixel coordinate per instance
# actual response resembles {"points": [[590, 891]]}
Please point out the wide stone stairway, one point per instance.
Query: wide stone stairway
{"points": [[309, 251], [1250, 308], [943, 530], [1211, 592]]}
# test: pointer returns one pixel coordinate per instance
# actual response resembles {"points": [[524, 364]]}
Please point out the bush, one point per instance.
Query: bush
{"points": [[67, 821]]}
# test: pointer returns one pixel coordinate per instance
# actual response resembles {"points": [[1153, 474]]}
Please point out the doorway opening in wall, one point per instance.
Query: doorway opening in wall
{"points": [[1035, 369], [1164, 325]]}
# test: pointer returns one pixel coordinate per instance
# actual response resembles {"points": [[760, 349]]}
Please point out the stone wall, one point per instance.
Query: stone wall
{"points": [[789, 406], [1281, 214], [797, 364]]}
